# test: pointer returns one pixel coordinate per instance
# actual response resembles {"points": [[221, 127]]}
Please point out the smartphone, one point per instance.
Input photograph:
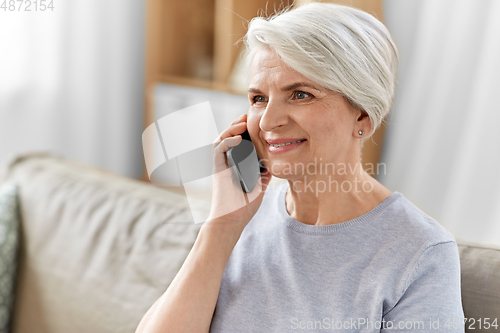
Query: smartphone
{"points": [[246, 162]]}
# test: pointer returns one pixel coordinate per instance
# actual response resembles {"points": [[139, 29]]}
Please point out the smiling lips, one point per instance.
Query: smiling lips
{"points": [[283, 145]]}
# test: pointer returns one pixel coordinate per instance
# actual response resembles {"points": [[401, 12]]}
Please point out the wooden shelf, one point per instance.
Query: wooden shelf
{"points": [[192, 42], [195, 83]]}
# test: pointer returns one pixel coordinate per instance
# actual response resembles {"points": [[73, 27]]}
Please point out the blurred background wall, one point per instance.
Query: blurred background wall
{"points": [[442, 145], [71, 82]]}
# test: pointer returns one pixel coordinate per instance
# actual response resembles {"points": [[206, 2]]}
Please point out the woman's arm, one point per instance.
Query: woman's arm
{"points": [[189, 302]]}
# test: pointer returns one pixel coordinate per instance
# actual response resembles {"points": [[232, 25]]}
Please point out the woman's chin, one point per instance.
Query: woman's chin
{"points": [[286, 176], [288, 171]]}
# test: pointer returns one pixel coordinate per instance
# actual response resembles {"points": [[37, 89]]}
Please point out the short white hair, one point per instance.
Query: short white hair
{"points": [[341, 48]]}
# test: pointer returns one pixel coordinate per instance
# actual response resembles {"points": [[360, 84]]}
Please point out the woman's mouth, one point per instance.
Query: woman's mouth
{"points": [[283, 145]]}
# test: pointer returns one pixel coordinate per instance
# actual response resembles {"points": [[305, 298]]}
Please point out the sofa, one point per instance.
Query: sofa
{"points": [[96, 249]]}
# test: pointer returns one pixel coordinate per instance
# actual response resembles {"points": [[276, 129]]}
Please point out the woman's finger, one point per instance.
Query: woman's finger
{"points": [[227, 143], [231, 131], [240, 119], [220, 150]]}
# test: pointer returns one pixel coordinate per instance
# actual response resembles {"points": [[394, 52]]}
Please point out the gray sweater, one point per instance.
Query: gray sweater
{"points": [[393, 269]]}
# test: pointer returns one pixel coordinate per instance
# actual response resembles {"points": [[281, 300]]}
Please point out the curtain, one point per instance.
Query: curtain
{"points": [[442, 146], [71, 82]]}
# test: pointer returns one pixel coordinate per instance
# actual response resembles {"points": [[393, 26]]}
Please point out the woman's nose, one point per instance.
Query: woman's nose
{"points": [[274, 116]]}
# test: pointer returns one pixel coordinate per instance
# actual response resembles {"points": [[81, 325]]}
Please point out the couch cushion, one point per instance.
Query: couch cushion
{"points": [[97, 249], [480, 267]]}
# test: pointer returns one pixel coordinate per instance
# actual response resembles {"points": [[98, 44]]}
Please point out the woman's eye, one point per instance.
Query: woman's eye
{"points": [[259, 99], [301, 95]]}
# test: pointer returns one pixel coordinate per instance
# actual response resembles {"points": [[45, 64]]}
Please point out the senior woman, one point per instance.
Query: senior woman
{"points": [[331, 248]]}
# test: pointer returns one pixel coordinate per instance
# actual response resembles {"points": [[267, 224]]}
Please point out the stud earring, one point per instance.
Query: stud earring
{"points": [[361, 132]]}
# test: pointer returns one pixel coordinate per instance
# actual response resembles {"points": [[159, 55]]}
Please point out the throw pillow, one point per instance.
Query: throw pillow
{"points": [[9, 239]]}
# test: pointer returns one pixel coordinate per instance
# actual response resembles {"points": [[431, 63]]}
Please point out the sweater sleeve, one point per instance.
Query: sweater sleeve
{"points": [[432, 297]]}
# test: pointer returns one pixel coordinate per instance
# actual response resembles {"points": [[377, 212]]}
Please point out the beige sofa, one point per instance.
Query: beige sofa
{"points": [[98, 249]]}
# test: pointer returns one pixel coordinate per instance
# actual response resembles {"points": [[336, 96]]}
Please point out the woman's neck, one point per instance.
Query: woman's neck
{"points": [[323, 199]]}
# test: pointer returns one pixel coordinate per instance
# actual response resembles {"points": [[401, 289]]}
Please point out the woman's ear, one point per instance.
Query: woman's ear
{"points": [[363, 124]]}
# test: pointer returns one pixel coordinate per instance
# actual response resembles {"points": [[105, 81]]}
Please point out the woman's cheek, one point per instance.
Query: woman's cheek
{"points": [[253, 128], [253, 124]]}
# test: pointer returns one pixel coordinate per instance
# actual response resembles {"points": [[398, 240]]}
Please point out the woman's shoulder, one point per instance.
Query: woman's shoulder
{"points": [[405, 219]]}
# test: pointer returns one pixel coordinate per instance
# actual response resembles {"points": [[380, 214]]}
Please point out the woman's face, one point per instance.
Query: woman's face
{"points": [[286, 105]]}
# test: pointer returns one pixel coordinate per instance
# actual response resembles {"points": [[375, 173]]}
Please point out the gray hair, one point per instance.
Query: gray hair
{"points": [[341, 48]]}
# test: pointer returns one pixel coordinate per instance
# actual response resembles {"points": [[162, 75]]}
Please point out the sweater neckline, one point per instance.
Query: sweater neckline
{"points": [[331, 228]]}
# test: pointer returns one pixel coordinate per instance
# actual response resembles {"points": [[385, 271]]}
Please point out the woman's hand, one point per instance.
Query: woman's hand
{"points": [[229, 201]]}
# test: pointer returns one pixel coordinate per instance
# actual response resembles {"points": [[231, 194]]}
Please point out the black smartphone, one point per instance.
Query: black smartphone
{"points": [[246, 162]]}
